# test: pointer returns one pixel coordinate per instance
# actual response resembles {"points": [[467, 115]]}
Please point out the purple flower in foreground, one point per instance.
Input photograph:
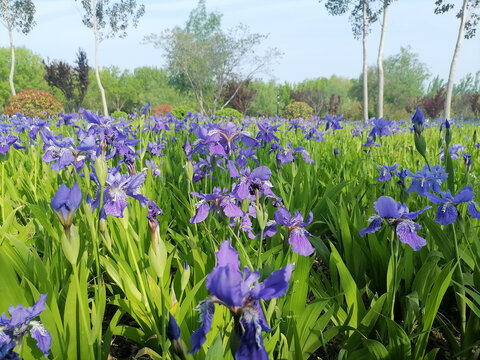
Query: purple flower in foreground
{"points": [[13, 329], [418, 121], [398, 216], [447, 211], [219, 200], [297, 235], [241, 295], [65, 202]]}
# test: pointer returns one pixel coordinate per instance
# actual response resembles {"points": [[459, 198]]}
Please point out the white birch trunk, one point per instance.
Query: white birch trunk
{"points": [[451, 75], [380, 63], [12, 64], [365, 65], [97, 71]]}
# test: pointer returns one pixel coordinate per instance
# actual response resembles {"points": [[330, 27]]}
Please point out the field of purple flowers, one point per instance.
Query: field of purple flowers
{"points": [[203, 238]]}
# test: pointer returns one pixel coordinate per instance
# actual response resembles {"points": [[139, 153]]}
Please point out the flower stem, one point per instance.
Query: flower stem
{"points": [[459, 291], [394, 253]]}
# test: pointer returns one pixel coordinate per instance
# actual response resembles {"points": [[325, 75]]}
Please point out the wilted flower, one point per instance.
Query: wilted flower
{"points": [[467, 160], [398, 216], [228, 287]]}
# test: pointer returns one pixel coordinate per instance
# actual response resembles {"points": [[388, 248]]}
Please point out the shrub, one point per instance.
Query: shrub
{"points": [[352, 110], [298, 109], [33, 103], [229, 113], [180, 112], [120, 114], [162, 109]]}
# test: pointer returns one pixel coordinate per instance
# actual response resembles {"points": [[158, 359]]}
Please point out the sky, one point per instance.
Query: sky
{"points": [[314, 44]]}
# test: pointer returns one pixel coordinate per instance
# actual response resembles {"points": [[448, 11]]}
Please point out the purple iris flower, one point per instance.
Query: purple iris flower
{"points": [[370, 142], [426, 180], [398, 216], [356, 131], [333, 122], [253, 183], [117, 188], [145, 108], [219, 200], [266, 132], [155, 168], [447, 211], [386, 172], [7, 141], [244, 154], [13, 329], [221, 138], [153, 211], [454, 152], [315, 134], [297, 235], [381, 127], [156, 148], [65, 202], [240, 294]]}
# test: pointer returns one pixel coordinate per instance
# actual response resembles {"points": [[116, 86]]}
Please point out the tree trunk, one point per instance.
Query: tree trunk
{"points": [[380, 62], [365, 65], [97, 71], [12, 64], [12, 48], [451, 75]]}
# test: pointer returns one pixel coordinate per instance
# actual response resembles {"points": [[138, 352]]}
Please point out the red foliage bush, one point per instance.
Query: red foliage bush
{"points": [[162, 109], [33, 103]]}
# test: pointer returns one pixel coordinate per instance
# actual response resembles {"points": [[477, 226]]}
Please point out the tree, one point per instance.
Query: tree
{"points": [[29, 72], [16, 15], [203, 58], [361, 16], [242, 95], [467, 28], [386, 4], [72, 81], [405, 75], [106, 20]]}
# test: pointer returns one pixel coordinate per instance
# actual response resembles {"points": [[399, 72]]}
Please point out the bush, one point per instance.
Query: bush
{"points": [[229, 113], [162, 109], [120, 114], [298, 109], [351, 110], [180, 112], [33, 103]]}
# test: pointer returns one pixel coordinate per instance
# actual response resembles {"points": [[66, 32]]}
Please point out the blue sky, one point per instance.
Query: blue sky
{"points": [[314, 43]]}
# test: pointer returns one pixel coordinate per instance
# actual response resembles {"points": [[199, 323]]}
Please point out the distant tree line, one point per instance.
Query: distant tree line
{"points": [[407, 84]]}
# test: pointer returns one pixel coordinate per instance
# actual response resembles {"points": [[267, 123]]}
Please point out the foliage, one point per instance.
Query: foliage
{"points": [[298, 109], [118, 115], [229, 113], [29, 72], [443, 6], [241, 95], [33, 103], [112, 18], [162, 109], [180, 112], [404, 80], [351, 109], [18, 15], [72, 81], [203, 58], [433, 105]]}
